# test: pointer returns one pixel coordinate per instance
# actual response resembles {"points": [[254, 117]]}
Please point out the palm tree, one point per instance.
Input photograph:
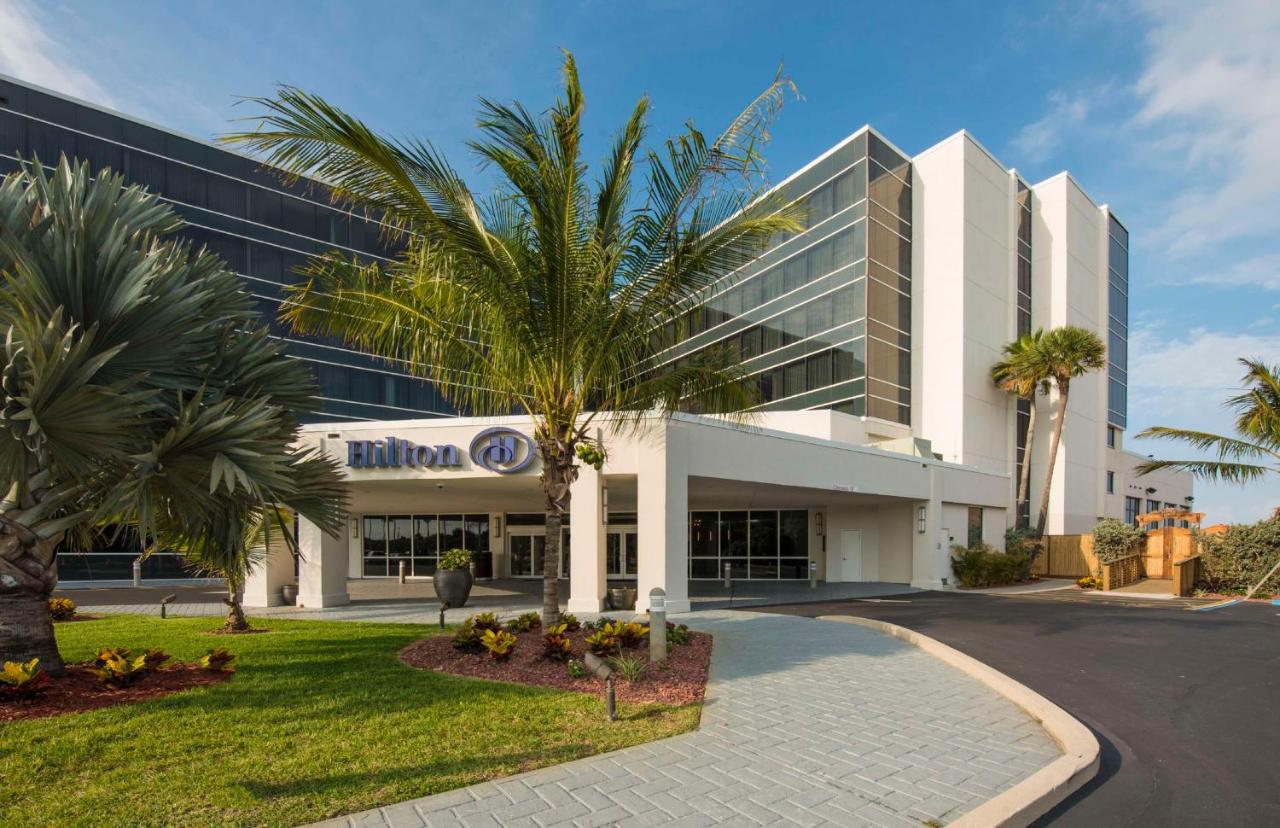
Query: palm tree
{"points": [[547, 296], [234, 544], [139, 386], [1066, 353], [1257, 426], [1022, 374]]}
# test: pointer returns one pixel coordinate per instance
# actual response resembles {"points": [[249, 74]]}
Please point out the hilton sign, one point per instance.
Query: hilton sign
{"points": [[501, 450]]}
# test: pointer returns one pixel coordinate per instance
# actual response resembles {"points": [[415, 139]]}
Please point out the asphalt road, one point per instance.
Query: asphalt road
{"points": [[1186, 705]]}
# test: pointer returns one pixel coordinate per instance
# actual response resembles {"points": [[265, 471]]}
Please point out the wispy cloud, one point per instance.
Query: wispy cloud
{"points": [[1038, 140], [29, 52], [1210, 98]]}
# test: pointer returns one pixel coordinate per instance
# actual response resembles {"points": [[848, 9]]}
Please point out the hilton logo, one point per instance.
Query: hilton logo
{"points": [[501, 450]]}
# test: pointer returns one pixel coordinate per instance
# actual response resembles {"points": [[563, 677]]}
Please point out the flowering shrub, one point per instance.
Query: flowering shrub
{"points": [[1089, 582], [603, 644], [556, 645], [467, 638]]}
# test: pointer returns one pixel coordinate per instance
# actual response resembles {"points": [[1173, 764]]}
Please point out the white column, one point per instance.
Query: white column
{"points": [[322, 568], [662, 519], [262, 587], [930, 554], [586, 542]]}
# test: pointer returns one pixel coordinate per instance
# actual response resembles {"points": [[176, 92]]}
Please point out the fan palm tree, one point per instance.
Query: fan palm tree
{"points": [[1065, 353], [139, 386], [1022, 374], [1254, 453], [547, 296]]}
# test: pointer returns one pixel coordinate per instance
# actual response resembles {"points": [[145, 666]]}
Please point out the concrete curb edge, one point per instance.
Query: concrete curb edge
{"points": [[1037, 794]]}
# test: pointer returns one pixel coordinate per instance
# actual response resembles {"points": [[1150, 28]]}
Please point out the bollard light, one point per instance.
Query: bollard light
{"points": [[657, 625], [601, 668], [137, 571], [727, 581], [403, 570], [813, 574]]}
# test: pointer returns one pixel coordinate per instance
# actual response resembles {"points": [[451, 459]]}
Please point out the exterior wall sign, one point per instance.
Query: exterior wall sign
{"points": [[501, 450]]}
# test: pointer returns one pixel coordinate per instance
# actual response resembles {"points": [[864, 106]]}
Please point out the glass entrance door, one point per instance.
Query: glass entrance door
{"points": [[526, 548], [621, 552]]}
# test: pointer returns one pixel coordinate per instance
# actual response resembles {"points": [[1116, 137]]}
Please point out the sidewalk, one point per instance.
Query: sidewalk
{"points": [[806, 722]]}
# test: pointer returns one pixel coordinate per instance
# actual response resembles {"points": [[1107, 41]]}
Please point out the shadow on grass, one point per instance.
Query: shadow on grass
{"points": [[468, 771]]}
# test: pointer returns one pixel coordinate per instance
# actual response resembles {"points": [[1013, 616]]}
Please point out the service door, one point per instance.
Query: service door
{"points": [[851, 555]]}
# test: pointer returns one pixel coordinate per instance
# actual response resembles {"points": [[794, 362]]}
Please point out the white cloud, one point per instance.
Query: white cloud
{"points": [[1210, 95], [29, 52], [1260, 272], [1182, 381], [1037, 140]]}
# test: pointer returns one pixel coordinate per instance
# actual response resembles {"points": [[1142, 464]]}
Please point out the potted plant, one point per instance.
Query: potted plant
{"points": [[622, 598], [453, 578]]}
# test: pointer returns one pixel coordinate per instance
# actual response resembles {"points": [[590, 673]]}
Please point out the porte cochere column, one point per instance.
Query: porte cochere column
{"points": [[322, 567], [662, 501], [586, 542]]}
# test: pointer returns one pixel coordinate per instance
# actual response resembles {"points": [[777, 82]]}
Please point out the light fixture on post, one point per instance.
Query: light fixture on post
{"points": [[497, 527], [355, 528], [819, 524], [922, 522], [604, 505]]}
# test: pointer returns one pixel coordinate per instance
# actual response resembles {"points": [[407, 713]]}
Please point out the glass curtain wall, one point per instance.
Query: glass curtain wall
{"points": [[1024, 327], [1117, 323], [418, 541], [822, 319], [756, 544], [262, 228]]}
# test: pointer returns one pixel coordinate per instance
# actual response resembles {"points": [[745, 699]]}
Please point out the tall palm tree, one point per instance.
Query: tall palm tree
{"points": [[1022, 374], [1257, 426], [139, 386], [1065, 353], [546, 296]]}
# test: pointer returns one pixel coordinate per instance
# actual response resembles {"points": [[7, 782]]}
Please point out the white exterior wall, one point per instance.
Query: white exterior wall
{"points": [[963, 260], [1070, 288]]}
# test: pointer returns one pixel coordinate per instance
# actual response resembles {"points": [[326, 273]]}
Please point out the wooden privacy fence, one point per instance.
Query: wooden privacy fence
{"points": [[1121, 573], [1071, 556], [1065, 556], [1185, 574]]}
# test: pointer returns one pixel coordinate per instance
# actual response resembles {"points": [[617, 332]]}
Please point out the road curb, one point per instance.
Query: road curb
{"points": [[1038, 793]]}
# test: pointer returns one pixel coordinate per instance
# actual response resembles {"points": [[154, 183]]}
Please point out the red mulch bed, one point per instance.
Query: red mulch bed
{"points": [[682, 680], [78, 617], [79, 690]]}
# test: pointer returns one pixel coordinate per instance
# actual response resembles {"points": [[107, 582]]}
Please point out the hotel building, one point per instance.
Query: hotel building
{"points": [[880, 440]]}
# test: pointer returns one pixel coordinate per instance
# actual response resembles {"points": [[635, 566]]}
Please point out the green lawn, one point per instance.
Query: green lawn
{"points": [[320, 719]]}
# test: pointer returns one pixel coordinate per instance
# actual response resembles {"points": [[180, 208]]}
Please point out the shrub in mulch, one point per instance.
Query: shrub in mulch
{"points": [[80, 690], [681, 679]]}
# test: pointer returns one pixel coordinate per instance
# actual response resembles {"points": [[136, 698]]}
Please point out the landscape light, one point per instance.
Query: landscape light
{"points": [[601, 668]]}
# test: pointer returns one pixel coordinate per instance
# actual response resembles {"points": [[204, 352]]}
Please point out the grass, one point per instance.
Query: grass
{"points": [[321, 719]]}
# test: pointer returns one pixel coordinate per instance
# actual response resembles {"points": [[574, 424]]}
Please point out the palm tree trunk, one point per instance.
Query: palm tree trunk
{"points": [[236, 622], [558, 473], [1024, 481], [27, 577], [1043, 518]]}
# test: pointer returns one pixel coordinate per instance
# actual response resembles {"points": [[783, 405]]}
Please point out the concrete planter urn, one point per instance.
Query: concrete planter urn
{"points": [[622, 598], [289, 592], [452, 579]]}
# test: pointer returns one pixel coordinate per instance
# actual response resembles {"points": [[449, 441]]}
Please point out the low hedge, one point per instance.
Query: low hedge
{"points": [[1237, 559], [982, 566]]}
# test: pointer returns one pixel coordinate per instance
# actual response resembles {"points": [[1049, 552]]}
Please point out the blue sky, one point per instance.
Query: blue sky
{"points": [[1168, 111]]}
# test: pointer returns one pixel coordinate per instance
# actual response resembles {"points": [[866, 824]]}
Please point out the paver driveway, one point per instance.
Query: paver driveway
{"points": [[806, 722]]}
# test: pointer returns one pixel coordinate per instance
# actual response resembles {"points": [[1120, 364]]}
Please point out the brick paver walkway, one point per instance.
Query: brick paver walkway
{"points": [[806, 722]]}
